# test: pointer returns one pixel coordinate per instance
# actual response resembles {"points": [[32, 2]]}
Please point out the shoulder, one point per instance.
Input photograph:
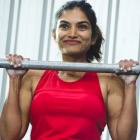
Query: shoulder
{"points": [[31, 79], [107, 75], [110, 77], [111, 81], [35, 72], [32, 75]]}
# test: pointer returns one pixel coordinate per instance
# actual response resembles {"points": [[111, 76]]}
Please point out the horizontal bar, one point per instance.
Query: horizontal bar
{"points": [[67, 66]]}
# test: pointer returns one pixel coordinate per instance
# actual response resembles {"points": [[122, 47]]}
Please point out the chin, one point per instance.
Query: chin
{"points": [[74, 53]]}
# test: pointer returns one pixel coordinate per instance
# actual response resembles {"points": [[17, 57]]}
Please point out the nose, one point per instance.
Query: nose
{"points": [[73, 33]]}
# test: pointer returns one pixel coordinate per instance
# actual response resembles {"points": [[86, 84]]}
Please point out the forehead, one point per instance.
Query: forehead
{"points": [[74, 15]]}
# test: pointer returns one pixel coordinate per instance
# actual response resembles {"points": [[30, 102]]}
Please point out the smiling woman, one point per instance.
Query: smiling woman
{"points": [[74, 33], [71, 105], [78, 26]]}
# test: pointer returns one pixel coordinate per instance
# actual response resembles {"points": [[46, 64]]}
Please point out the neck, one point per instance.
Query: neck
{"points": [[70, 76], [73, 58]]}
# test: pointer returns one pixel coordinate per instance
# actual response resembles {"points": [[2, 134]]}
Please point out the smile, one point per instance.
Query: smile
{"points": [[74, 42]]}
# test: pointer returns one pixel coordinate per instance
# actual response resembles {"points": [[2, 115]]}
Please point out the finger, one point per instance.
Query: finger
{"points": [[126, 65], [122, 65], [19, 59], [14, 60], [129, 64], [7, 57], [134, 63], [10, 59]]}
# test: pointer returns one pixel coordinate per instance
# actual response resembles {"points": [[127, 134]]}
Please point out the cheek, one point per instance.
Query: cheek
{"points": [[86, 36], [59, 36], [88, 41]]}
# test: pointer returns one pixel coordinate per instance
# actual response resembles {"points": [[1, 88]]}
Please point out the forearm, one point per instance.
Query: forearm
{"points": [[127, 123], [10, 116]]}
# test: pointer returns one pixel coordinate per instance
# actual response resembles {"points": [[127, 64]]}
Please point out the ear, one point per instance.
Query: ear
{"points": [[54, 36], [94, 40]]}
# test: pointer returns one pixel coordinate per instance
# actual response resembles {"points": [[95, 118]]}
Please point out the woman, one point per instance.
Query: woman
{"points": [[68, 105]]}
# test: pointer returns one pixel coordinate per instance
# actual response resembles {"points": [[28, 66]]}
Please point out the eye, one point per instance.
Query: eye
{"points": [[82, 27], [63, 26]]}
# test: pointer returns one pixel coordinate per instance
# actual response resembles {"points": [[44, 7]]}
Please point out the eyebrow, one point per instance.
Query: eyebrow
{"points": [[81, 22]]}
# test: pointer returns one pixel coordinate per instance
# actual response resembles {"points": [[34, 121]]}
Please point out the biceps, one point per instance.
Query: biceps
{"points": [[25, 101], [114, 107]]}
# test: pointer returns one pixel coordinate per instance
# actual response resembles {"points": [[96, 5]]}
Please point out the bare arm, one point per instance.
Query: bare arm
{"points": [[127, 123], [122, 112], [11, 117], [11, 122]]}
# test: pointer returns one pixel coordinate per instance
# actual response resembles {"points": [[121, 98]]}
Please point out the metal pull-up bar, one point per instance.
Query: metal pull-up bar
{"points": [[54, 65]]}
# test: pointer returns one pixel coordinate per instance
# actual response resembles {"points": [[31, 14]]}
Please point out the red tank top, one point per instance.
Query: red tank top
{"points": [[67, 110]]}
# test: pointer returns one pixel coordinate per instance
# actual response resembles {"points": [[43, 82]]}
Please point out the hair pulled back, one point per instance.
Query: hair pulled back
{"points": [[95, 50]]}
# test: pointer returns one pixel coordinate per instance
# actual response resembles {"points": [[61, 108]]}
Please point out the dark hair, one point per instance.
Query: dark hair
{"points": [[95, 50]]}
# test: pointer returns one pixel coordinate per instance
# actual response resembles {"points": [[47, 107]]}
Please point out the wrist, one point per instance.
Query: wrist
{"points": [[131, 84], [130, 89], [16, 78]]}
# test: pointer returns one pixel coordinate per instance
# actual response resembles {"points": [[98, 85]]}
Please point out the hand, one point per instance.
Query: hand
{"points": [[126, 65], [15, 61]]}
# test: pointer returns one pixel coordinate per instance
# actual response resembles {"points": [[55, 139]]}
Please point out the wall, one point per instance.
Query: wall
{"points": [[25, 28]]}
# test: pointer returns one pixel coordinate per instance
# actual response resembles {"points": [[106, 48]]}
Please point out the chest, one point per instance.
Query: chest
{"points": [[102, 87], [82, 97], [71, 104]]}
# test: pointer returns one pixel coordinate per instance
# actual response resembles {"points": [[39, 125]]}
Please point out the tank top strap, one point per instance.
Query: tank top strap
{"points": [[42, 80]]}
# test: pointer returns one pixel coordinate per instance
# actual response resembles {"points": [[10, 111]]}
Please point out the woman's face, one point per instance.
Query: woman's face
{"points": [[73, 33]]}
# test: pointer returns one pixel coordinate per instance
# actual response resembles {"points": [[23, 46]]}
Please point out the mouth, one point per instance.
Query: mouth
{"points": [[72, 42]]}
